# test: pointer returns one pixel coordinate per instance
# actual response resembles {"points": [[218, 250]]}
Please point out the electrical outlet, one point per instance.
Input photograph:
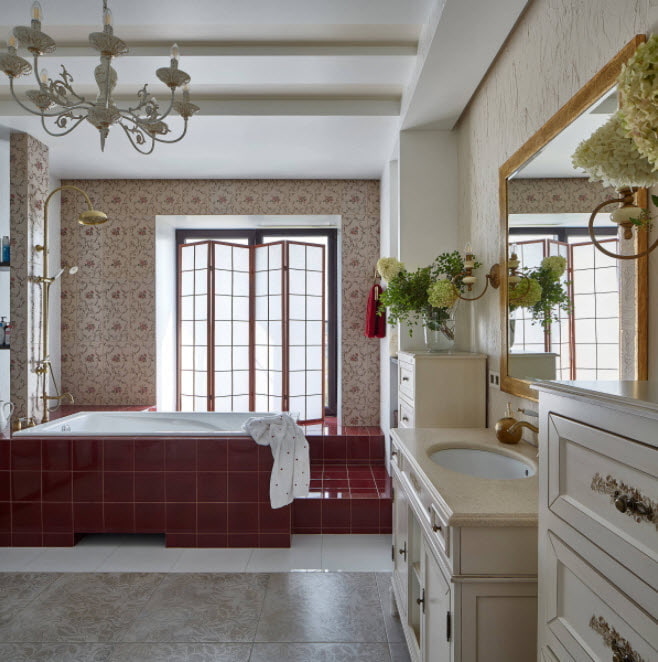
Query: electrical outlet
{"points": [[494, 379]]}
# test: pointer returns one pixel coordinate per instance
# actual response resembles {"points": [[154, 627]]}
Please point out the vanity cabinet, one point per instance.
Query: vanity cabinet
{"points": [[441, 389], [465, 592], [598, 521]]}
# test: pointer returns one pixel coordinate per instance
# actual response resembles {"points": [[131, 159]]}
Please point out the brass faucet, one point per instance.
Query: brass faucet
{"points": [[509, 430]]}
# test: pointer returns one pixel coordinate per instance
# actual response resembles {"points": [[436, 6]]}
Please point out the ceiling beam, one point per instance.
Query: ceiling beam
{"points": [[265, 106], [252, 49]]}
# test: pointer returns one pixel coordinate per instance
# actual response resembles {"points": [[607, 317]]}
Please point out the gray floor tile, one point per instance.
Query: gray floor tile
{"points": [[202, 607], [320, 653], [399, 653], [181, 653], [322, 607], [83, 608], [394, 631], [18, 589], [55, 652]]}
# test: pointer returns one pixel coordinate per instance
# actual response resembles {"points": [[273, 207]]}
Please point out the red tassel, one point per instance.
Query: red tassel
{"points": [[375, 324]]}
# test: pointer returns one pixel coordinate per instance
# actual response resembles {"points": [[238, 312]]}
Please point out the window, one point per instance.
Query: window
{"points": [[253, 336]]}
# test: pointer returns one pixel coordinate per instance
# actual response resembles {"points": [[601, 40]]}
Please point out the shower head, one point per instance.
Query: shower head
{"points": [[69, 270], [92, 217]]}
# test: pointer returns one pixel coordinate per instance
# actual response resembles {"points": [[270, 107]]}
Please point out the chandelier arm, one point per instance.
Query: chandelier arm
{"points": [[35, 69], [42, 114], [605, 251], [170, 142], [58, 135], [171, 105], [134, 144]]}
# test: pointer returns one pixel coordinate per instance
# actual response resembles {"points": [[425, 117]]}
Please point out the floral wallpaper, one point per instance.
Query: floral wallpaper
{"points": [[28, 191], [108, 308], [555, 195]]}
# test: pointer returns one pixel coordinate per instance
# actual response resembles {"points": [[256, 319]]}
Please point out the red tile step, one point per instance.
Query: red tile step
{"points": [[345, 498]]}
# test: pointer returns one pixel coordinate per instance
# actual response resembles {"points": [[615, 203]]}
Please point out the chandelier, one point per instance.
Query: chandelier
{"points": [[56, 100]]}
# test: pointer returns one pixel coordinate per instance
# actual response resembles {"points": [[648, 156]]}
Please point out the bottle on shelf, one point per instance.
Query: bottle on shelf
{"points": [[3, 324], [8, 335], [4, 254]]}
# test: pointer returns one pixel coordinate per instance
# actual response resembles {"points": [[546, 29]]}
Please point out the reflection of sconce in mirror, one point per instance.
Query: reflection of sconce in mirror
{"points": [[468, 279], [628, 216]]}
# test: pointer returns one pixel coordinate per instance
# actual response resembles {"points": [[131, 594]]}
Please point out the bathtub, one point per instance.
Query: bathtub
{"points": [[147, 423], [195, 477]]}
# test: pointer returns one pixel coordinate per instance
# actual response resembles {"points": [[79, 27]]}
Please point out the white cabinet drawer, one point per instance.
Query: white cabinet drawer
{"points": [[406, 381], [590, 617], [406, 414], [592, 473]]}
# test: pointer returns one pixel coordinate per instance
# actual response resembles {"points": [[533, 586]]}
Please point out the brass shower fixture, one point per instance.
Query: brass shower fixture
{"points": [[89, 217]]}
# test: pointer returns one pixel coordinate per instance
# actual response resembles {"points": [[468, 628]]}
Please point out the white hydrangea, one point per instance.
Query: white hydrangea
{"points": [[638, 99], [611, 157], [389, 268]]}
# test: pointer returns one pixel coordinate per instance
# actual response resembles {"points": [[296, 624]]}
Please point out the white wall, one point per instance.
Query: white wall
{"points": [[389, 210], [428, 204], [555, 49]]}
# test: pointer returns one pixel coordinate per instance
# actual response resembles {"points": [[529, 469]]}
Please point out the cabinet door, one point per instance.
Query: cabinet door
{"points": [[437, 619], [401, 545]]}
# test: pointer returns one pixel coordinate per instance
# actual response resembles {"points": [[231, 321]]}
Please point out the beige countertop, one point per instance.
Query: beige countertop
{"points": [[468, 500]]}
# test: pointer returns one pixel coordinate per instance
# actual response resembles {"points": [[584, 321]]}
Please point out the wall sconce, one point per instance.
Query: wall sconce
{"points": [[468, 279], [628, 216]]}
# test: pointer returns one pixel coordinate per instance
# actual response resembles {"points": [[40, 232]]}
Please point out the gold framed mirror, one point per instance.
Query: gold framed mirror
{"points": [[598, 329]]}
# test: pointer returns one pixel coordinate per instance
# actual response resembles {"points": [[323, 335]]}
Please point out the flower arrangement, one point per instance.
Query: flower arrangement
{"points": [[638, 99], [611, 157], [427, 295], [542, 291]]}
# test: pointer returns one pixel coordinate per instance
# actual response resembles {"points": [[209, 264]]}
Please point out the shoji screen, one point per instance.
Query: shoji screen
{"points": [[231, 337], [306, 329], [252, 327], [268, 363], [194, 323]]}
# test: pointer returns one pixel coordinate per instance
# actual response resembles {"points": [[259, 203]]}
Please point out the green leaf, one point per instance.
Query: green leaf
{"points": [[654, 199]]}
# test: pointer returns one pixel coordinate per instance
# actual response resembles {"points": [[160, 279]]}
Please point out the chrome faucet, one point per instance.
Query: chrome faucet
{"points": [[509, 430]]}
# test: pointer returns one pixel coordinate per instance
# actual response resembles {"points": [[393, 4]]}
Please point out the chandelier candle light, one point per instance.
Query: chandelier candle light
{"points": [[143, 123]]}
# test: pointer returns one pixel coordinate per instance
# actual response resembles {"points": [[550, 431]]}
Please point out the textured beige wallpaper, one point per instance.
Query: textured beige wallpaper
{"points": [[557, 46], [108, 308]]}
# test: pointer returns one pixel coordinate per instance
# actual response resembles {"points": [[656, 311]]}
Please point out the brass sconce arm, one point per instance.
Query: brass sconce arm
{"points": [[627, 201], [492, 278]]}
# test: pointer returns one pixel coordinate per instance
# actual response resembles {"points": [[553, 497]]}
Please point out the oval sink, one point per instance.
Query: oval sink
{"points": [[482, 464]]}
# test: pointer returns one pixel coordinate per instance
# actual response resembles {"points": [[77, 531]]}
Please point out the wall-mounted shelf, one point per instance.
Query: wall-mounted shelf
{"points": [[4, 266], [5, 346]]}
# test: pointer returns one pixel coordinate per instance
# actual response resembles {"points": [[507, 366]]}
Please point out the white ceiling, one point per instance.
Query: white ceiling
{"points": [[292, 88]]}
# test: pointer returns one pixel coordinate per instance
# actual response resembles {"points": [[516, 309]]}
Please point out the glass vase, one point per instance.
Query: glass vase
{"points": [[439, 329]]}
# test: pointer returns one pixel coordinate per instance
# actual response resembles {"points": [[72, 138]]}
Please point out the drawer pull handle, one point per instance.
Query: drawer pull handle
{"points": [[403, 551], [405, 419], [436, 528], [421, 601], [405, 379], [626, 499], [621, 649]]}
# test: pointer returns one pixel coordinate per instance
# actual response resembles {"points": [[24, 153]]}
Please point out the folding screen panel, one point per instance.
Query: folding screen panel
{"points": [[231, 335], [194, 275], [268, 352], [252, 327], [595, 286], [306, 329]]}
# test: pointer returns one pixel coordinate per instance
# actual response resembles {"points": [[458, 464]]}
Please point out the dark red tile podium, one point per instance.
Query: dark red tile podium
{"points": [[200, 492]]}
